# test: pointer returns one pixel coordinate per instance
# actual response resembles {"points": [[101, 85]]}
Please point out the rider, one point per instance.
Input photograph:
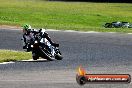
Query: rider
{"points": [[28, 34]]}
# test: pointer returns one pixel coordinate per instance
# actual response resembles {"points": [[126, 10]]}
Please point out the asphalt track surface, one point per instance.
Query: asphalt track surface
{"points": [[97, 52]]}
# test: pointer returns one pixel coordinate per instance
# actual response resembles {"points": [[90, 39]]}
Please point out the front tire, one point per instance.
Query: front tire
{"points": [[58, 56], [35, 57]]}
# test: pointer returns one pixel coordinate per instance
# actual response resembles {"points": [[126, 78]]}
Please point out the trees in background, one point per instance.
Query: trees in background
{"points": [[120, 1]]}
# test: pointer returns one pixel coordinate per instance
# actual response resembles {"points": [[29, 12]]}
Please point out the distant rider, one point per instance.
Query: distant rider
{"points": [[28, 35]]}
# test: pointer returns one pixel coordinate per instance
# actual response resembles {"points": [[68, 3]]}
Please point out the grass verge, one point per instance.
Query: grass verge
{"points": [[84, 16], [11, 55]]}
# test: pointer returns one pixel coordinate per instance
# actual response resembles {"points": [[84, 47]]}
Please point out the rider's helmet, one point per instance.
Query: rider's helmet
{"points": [[26, 28]]}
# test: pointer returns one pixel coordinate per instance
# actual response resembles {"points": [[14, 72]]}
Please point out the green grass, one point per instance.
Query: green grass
{"points": [[83, 16], [10, 55]]}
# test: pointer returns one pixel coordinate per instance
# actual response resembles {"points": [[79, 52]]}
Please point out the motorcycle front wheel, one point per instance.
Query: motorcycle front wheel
{"points": [[58, 56], [35, 56]]}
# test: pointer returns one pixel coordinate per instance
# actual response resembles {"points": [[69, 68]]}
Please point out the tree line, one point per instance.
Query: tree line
{"points": [[110, 1]]}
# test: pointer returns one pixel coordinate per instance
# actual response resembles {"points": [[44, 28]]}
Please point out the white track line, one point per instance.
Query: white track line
{"points": [[72, 31], [111, 32], [7, 62], [83, 32], [18, 28], [129, 33], [31, 60], [90, 32]]}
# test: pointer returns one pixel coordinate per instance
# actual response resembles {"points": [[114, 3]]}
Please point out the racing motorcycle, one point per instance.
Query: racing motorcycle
{"points": [[118, 25], [44, 50]]}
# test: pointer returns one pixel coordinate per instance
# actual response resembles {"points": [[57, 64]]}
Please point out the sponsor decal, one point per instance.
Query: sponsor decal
{"points": [[82, 77]]}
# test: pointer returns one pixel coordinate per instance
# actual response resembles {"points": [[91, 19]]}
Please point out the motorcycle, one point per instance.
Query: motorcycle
{"points": [[44, 50], [118, 25]]}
